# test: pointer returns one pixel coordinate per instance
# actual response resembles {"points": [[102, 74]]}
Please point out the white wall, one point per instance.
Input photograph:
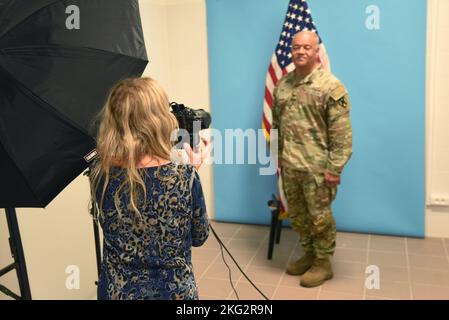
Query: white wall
{"points": [[53, 239], [437, 155], [176, 40], [154, 23]]}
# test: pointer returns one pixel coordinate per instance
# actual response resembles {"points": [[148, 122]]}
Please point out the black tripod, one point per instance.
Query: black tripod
{"points": [[93, 212], [15, 244], [94, 215], [19, 264]]}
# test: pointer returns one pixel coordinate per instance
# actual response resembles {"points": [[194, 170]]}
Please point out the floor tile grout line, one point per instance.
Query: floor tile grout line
{"points": [[431, 285], [409, 271], [345, 277], [318, 294], [234, 282], [373, 250], [213, 261], [382, 298], [283, 275], [387, 281], [424, 255], [391, 251], [237, 280], [245, 269], [321, 286], [342, 292], [368, 249], [336, 261], [396, 266], [408, 252], [219, 254], [446, 249], [202, 277], [345, 261]]}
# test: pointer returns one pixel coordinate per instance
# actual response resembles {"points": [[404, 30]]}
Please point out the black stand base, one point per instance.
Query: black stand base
{"points": [[19, 264], [97, 238], [276, 225], [94, 215]]}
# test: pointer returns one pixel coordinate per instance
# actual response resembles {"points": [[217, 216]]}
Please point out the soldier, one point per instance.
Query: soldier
{"points": [[311, 111]]}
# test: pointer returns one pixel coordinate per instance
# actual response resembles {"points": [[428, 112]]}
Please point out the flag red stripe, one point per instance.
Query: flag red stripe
{"points": [[266, 123], [268, 97], [273, 74], [282, 206]]}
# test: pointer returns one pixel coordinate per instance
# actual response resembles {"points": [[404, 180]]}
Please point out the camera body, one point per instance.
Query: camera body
{"points": [[191, 120]]}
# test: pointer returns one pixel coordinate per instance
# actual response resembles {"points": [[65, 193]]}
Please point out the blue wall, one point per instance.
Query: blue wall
{"points": [[384, 71]]}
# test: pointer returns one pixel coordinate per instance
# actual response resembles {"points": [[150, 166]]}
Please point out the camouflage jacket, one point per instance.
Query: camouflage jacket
{"points": [[312, 116]]}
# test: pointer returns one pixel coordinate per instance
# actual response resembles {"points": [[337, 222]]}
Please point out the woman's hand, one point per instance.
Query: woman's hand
{"points": [[200, 152]]}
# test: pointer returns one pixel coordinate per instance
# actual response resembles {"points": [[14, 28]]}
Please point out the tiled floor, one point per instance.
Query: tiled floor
{"points": [[408, 268]]}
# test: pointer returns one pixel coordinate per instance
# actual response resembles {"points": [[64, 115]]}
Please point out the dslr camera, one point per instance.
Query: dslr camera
{"points": [[191, 120]]}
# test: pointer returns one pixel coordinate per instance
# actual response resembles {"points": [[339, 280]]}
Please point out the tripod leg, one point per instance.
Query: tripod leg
{"points": [[17, 252], [274, 218], [97, 239], [278, 230], [97, 247]]}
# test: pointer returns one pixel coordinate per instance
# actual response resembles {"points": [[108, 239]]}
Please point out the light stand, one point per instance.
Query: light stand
{"points": [[15, 244]]}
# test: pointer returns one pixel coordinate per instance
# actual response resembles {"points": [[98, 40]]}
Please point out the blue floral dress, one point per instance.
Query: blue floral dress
{"points": [[150, 258]]}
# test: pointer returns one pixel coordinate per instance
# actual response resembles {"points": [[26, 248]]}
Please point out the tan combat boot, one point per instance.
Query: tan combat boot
{"points": [[320, 271], [300, 266]]}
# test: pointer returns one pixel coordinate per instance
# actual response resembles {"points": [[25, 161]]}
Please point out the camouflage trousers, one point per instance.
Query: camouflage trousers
{"points": [[309, 209]]}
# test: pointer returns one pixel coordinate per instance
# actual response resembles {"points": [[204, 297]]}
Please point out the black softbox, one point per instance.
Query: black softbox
{"points": [[58, 60]]}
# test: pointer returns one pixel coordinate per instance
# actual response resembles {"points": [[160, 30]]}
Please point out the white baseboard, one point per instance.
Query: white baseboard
{"points": [[437, 222]]}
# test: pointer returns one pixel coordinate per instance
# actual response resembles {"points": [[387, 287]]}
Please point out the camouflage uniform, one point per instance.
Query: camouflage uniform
{"points": [[315, 136]]}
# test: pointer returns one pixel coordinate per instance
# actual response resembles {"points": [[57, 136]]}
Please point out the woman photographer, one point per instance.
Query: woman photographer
{"points": [[151, 210]]}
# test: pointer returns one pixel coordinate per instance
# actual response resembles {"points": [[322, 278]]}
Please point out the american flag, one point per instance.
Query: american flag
{"points": [[297, 19]]}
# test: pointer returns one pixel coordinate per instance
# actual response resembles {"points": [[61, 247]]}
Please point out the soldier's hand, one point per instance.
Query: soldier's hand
{"points": [[280, 164], [331, 180]]}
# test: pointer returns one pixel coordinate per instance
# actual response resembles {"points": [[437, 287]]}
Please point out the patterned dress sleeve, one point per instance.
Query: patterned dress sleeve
{"points": [[200, 220]]}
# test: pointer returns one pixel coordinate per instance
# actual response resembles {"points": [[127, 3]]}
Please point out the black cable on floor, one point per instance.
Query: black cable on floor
{"points": [[229, 270], [223, 246]]}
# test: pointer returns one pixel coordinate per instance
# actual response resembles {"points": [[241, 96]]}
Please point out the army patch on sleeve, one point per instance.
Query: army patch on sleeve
{"points": [[339, 96], [338, 93]]}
